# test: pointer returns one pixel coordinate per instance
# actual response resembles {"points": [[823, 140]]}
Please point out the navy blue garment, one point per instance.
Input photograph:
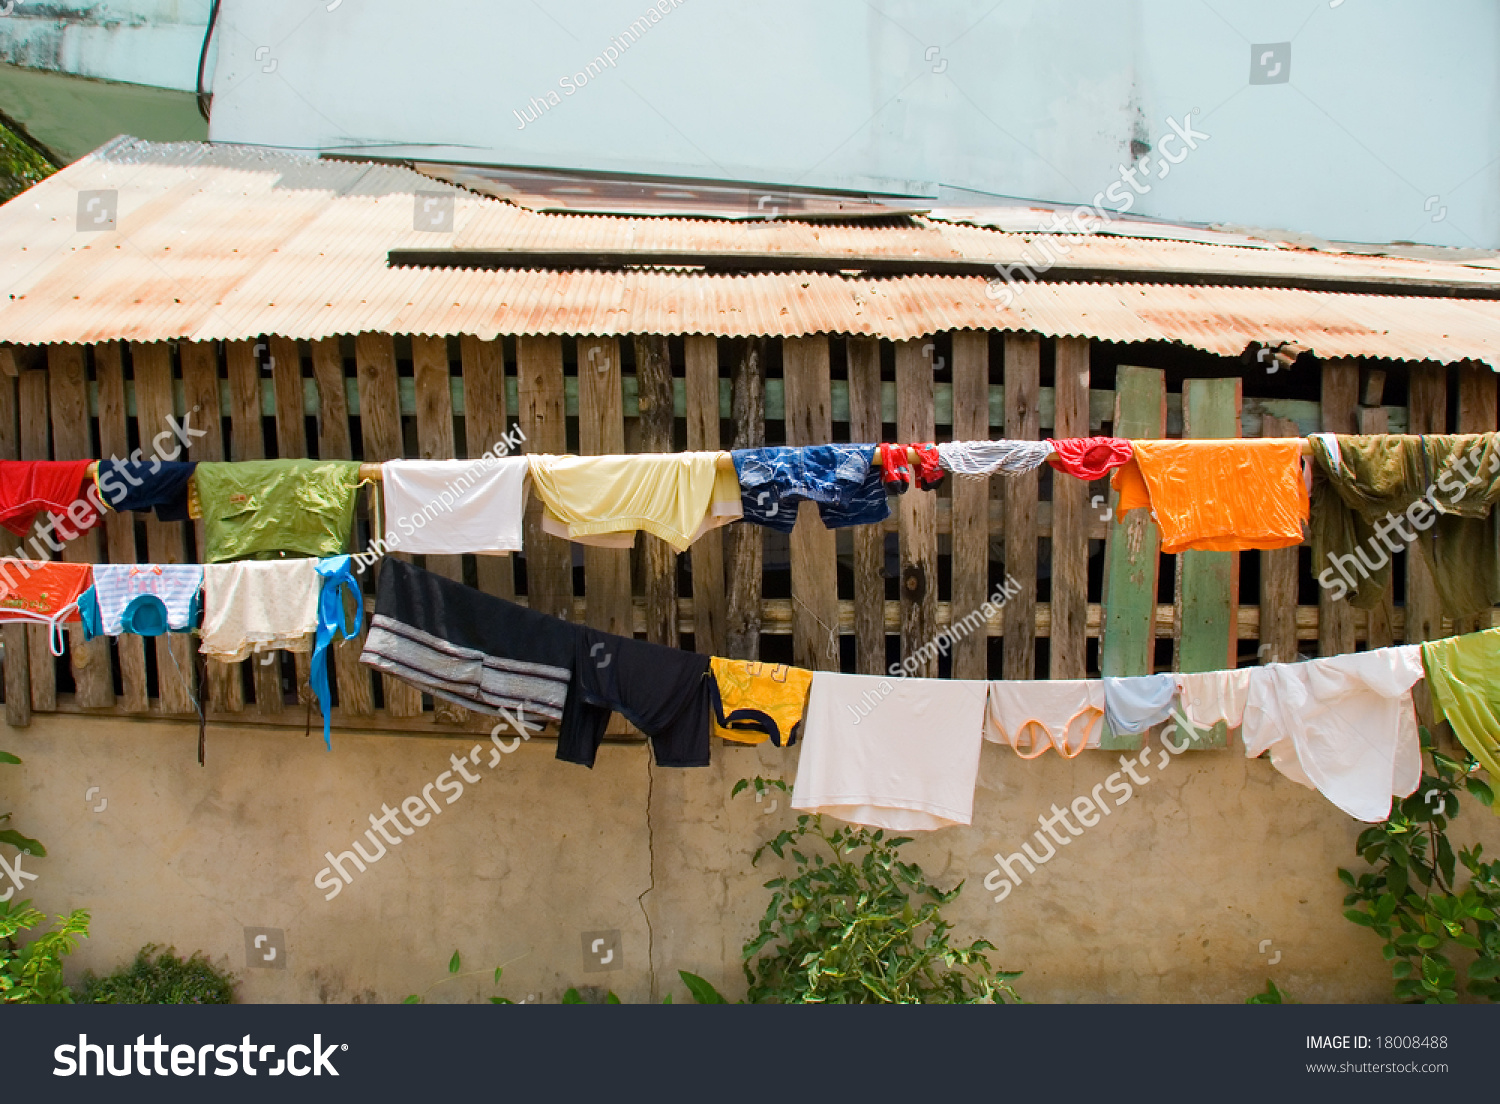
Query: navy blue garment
{"points": [[144, 484], [839, 478]]}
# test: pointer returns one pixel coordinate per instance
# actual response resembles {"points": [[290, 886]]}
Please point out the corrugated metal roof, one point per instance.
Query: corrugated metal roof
{"points": [[221, 242]]}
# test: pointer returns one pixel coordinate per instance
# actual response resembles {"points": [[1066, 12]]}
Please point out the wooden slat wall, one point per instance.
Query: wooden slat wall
{"points": [[377, 406]]}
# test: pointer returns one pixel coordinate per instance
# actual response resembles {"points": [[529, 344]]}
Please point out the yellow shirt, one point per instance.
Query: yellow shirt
{"points": [[603, 500], [759, 700]]}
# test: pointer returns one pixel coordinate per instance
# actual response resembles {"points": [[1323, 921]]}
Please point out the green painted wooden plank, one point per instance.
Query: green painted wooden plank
{"points": [[1130, 557], [1206, 581]]}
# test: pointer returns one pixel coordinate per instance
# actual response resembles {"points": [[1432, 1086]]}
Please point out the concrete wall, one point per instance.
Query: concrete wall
{"points": [[1167, 899]]}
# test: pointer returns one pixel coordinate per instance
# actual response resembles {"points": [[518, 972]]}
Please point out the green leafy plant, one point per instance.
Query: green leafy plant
{"points": [[10, 835], [159, 977], [1272, 995], [856, 925], [455, 964], [33, 974], [1413, 898]]}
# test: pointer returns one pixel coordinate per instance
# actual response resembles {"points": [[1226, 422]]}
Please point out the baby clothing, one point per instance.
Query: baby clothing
{"points": [[759, 701], [1032, 716], [908, 763], [1133, 705], [143, 599], [259, 605], [446, 506], [840, 478], [896, 467], [603, 500], [44, 592], [270, 508], [1209, 697], [990, 457], [1089, 458]]}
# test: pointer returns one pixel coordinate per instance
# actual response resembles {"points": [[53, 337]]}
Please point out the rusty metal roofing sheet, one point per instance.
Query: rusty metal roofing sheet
{"points": [[233, 242]]}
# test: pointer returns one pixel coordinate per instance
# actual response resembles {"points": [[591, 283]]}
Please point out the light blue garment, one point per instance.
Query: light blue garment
{"points": [[1132, 705], [332, 620]]}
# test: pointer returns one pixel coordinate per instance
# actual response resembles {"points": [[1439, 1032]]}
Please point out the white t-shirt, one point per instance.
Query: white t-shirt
{"points": [[893, 753], [454, 506]]}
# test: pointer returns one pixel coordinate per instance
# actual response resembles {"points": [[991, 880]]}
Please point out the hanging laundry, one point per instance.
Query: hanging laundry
{"points": [[758, 701], [446, 506], [667, 693], [1343, 725], [603, 500], [896, 467], [1463, 673], [1032, 716], [27, 487], [840, 478], [1134, 705], [1225, 496], [267, 508], [992, 457], [908, 764], [1374, 495], [468, 647], [146, 484], [259, 605], [1209, 697], [142, 599], [1089, 458], [43, 592], [338, 583]]}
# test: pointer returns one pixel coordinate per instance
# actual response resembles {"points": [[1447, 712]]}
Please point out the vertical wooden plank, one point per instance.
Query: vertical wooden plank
{"points": [[971, 501], [1278, 580], [484, 428], [539, 393], [1070, 529], [1339, 405], [1381, 619], [1428, 413], [247, 441], [653, 380], [36, 444], [166, 541], [380, 433], [814, 549], [114, 443], [744, 544], [72, 439], [865, 425], [291, 444], [1022, 422], [1131, 553], [916, 513], [701, 391], [1208, 583], [1476, 414], [601, 432], [355, 692], [17, 657]]}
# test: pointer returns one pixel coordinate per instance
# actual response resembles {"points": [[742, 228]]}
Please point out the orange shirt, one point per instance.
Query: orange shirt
{"points": [[1221, 496]]}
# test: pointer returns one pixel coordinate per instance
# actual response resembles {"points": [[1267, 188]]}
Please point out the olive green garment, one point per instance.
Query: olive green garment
{"points": [[1378, 478], [263, 509], [1463, 673]]}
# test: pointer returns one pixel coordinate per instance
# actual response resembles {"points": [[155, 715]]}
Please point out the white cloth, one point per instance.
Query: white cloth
{"points": [[437, 506], [891, 753], [119, 586], [1343, 725], [1209, 697], [1033, 715], [989, 457], [259, 605], [1133, 705]]}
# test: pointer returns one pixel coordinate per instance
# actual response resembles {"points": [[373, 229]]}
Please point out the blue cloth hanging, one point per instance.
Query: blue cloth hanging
{"points": [[332, 620]]}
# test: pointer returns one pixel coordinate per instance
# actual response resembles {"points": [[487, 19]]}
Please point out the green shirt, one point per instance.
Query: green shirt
{"points": [[264, 509], [1463, 673]]}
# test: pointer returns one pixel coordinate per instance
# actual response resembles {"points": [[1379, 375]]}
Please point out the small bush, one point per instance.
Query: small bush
{"points": [[162, 979]]}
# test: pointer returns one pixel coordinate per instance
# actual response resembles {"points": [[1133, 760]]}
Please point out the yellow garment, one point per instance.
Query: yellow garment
{"points": [[757, 700], [603, 500], [1226, 496]]}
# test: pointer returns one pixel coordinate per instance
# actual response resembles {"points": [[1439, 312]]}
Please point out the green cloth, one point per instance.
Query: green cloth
{"points": [[263, 509], [1463, 673], [1379, 478]]}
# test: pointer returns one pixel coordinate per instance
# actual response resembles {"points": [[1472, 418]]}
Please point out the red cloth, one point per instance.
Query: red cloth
{"points": [[37, 590], [895, 469], [929, 471], [1090, 457], [27, 487]]}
